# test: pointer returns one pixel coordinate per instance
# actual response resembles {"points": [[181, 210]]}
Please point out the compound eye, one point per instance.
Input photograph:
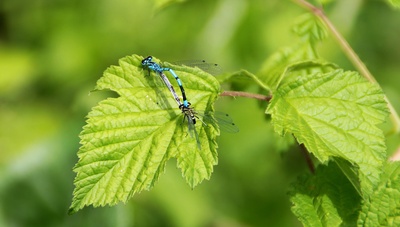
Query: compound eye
{"points": [[147, 60]]}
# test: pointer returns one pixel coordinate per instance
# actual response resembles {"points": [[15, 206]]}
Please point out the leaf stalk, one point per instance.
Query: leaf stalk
{"points": [[246, 95]]}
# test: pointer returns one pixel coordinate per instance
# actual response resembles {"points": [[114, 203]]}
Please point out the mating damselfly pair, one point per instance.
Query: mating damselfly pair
{"points": [[223, 120]]}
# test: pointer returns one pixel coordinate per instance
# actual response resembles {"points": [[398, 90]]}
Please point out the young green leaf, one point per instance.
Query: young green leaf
{"points": [[382, 208], [310, 30], [301, 57], [335, 115], [128, 140], [325, 199], [304, 68], [242, 76]]}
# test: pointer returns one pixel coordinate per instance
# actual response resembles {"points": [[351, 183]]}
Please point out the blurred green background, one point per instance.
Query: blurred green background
{"points": [[53, 51]]}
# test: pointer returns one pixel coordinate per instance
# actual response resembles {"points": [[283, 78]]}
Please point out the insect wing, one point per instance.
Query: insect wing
{"points": [[223, 120], [192, 130]]}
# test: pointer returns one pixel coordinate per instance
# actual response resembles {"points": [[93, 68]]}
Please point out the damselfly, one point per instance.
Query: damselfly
{"points": [[217, 119], [151, 65]]}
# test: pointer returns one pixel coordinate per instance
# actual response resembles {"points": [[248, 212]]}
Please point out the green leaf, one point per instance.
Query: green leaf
{"points": [[310, 29], [242, 76], [335, 115], [382, 208], [351, 172], [273, 68], [304, 68], [394, 3], [325, 199], [128, 140]]}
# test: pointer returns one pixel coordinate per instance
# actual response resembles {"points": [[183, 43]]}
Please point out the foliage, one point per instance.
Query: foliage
{"points": [[128, 140], [326, 198], [326, 113], [52, 53], [381, 207]]}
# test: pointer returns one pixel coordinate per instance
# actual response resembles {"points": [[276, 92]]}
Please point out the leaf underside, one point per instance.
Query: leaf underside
{"points": [[326, 198], [382, 208]]}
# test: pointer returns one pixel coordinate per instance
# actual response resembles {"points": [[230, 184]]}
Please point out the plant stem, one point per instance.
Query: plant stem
{"points": [[246, 94], [351, 55], [307, 157]]}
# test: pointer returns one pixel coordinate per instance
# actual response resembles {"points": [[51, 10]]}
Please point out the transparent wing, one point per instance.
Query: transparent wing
{"points": [[212, 68], [192, 130], [223, 120]]}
